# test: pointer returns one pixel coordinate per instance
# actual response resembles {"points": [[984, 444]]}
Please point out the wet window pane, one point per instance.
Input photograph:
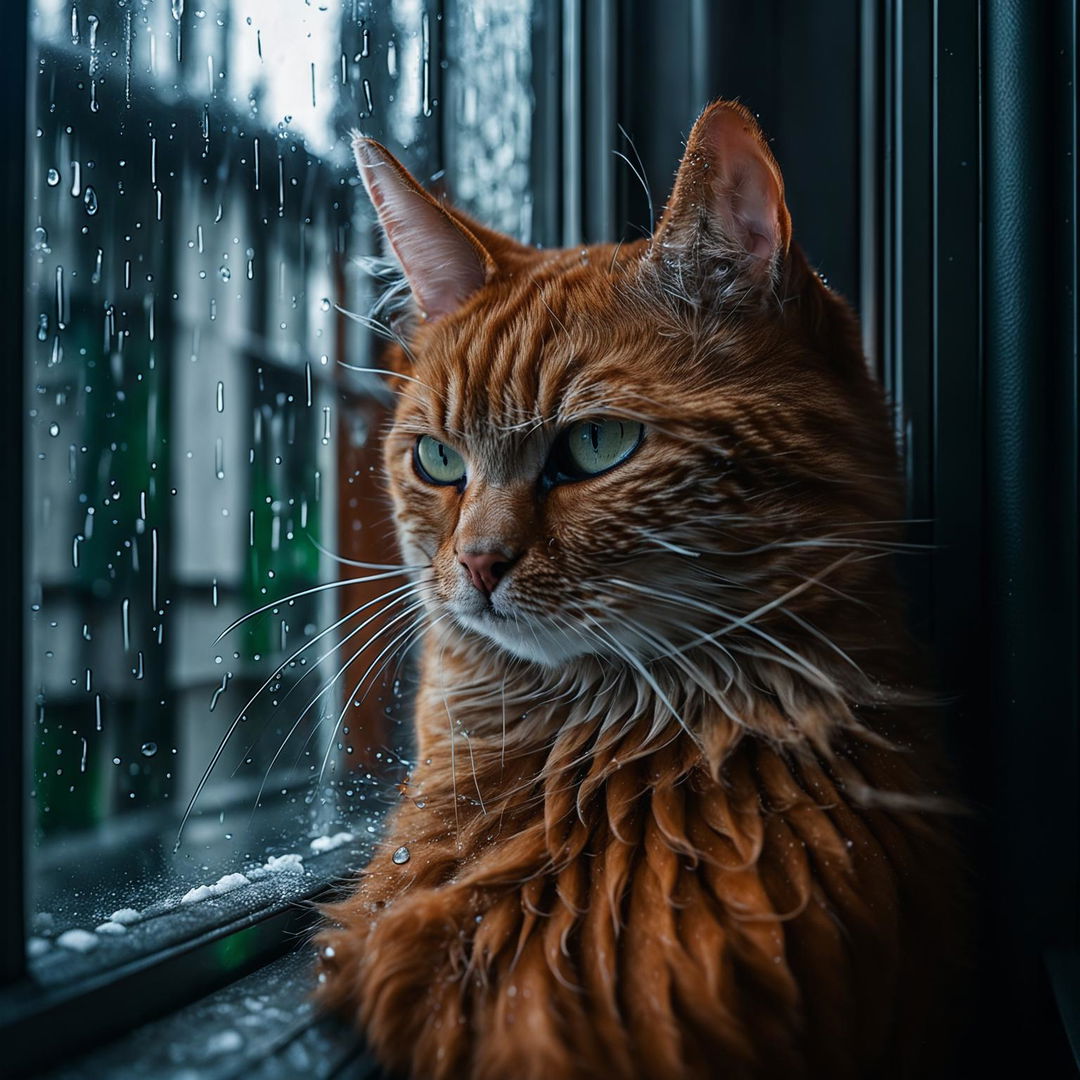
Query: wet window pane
{"points": [[197, 449]]}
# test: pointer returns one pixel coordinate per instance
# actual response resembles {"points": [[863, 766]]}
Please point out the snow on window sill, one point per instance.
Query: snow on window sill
{"points": [[244, 896]]}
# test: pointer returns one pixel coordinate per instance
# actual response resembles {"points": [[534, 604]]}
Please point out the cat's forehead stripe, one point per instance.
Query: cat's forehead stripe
{"points": [[511, 367]]}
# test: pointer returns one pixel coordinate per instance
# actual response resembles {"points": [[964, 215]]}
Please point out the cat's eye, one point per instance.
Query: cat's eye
{"points": [[591, 447], [438, 463]]}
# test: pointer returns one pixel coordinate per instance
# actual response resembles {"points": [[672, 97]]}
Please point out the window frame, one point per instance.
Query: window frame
{"points": [[13, 585]]}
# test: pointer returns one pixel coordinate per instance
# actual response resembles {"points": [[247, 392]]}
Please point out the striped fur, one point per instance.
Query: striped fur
{"points": [[676, 811]]}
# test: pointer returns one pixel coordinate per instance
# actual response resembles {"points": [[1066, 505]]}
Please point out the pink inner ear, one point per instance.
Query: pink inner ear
{"points": [[753, 214], [443, 265], [747, 192]]}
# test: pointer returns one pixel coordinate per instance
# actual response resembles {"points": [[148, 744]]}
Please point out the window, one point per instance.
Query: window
{"points": [[202, 467]]}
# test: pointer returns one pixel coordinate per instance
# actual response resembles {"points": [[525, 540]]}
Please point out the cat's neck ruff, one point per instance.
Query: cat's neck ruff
{"points": [[487, 699]]}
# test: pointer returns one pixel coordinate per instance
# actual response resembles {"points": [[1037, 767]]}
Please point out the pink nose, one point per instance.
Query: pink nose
{"points": [[486, 569]]}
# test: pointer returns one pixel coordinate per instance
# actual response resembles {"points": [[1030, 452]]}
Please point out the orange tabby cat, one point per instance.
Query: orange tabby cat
{"points": [[675, 813]]}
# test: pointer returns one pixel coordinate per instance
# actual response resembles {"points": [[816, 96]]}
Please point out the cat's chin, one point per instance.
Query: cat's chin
{"points": [[531, 640]]}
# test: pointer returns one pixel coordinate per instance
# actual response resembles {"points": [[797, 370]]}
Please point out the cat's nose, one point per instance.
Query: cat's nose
{"points": [[486, 568]]}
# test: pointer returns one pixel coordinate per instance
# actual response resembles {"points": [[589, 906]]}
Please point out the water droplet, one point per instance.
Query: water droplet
{"points": [[401, 856], [149, 749], [90, 200], [43, 327], [324, 304], [52, 178], [54, 429], [224, 273], [41, 240]]}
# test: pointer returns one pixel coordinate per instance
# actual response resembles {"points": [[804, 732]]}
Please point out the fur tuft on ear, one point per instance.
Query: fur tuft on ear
{"points": [[726, 217], [444, 263]]}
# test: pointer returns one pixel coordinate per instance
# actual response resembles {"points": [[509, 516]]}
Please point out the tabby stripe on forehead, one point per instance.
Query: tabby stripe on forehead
{"points": [[524, 359], [477, 371]]}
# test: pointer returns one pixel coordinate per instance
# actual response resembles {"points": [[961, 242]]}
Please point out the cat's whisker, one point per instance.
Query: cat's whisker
{"points": [[341, 584], [280, 669], [697, 676], [638, 666], [393, 374], [363, 678], [326, 687], [387, 333], [215, 758], [639, 172], [420, 628], [402, 567], [408, 589], [615, 256], [413, 592], [747, 622], [540, 292], [453, 753], [824, 639]]}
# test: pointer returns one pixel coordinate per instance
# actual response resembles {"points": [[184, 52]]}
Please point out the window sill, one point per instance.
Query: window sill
{"points": [[261, 1027], [74, 1001]]}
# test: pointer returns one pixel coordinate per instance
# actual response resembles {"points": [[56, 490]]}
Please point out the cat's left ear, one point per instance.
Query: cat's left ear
{"points": [[443, 261], [726, 217]]}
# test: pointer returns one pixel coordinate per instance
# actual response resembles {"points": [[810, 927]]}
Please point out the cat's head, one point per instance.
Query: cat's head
{"points": [[623, 450]]}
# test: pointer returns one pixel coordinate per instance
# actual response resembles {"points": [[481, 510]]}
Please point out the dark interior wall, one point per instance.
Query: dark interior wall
{"points": [[795, 65]]}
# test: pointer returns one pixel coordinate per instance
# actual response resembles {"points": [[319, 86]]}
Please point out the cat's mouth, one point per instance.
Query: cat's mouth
{"points": [[522, 636]]}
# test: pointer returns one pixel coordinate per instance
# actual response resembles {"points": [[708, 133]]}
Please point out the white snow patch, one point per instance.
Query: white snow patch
{"points": [[328, 843], [284, 864], [110, 927], [125, 916], [35, 946], [227, 884], [77, 940]]}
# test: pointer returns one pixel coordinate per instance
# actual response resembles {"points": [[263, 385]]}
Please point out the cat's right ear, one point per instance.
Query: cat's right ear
{"points": [[726, 220], [444, 263]]}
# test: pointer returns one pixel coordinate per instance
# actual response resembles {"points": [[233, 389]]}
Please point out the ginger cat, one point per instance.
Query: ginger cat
{"points": [[676, 810]]}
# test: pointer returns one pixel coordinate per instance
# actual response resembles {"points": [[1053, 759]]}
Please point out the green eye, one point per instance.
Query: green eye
{"points": [[438, 463], [594, 446]]}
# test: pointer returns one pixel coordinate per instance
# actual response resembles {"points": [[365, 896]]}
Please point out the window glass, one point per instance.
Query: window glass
{"points": [[198, 450]]}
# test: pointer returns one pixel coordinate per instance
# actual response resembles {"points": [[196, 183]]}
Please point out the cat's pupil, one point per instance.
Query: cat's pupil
{"points": [[442, 454], [594, 434]]}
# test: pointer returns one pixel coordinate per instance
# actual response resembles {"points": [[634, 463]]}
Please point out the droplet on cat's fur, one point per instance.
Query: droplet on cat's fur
{"points": [[401, 856]]}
